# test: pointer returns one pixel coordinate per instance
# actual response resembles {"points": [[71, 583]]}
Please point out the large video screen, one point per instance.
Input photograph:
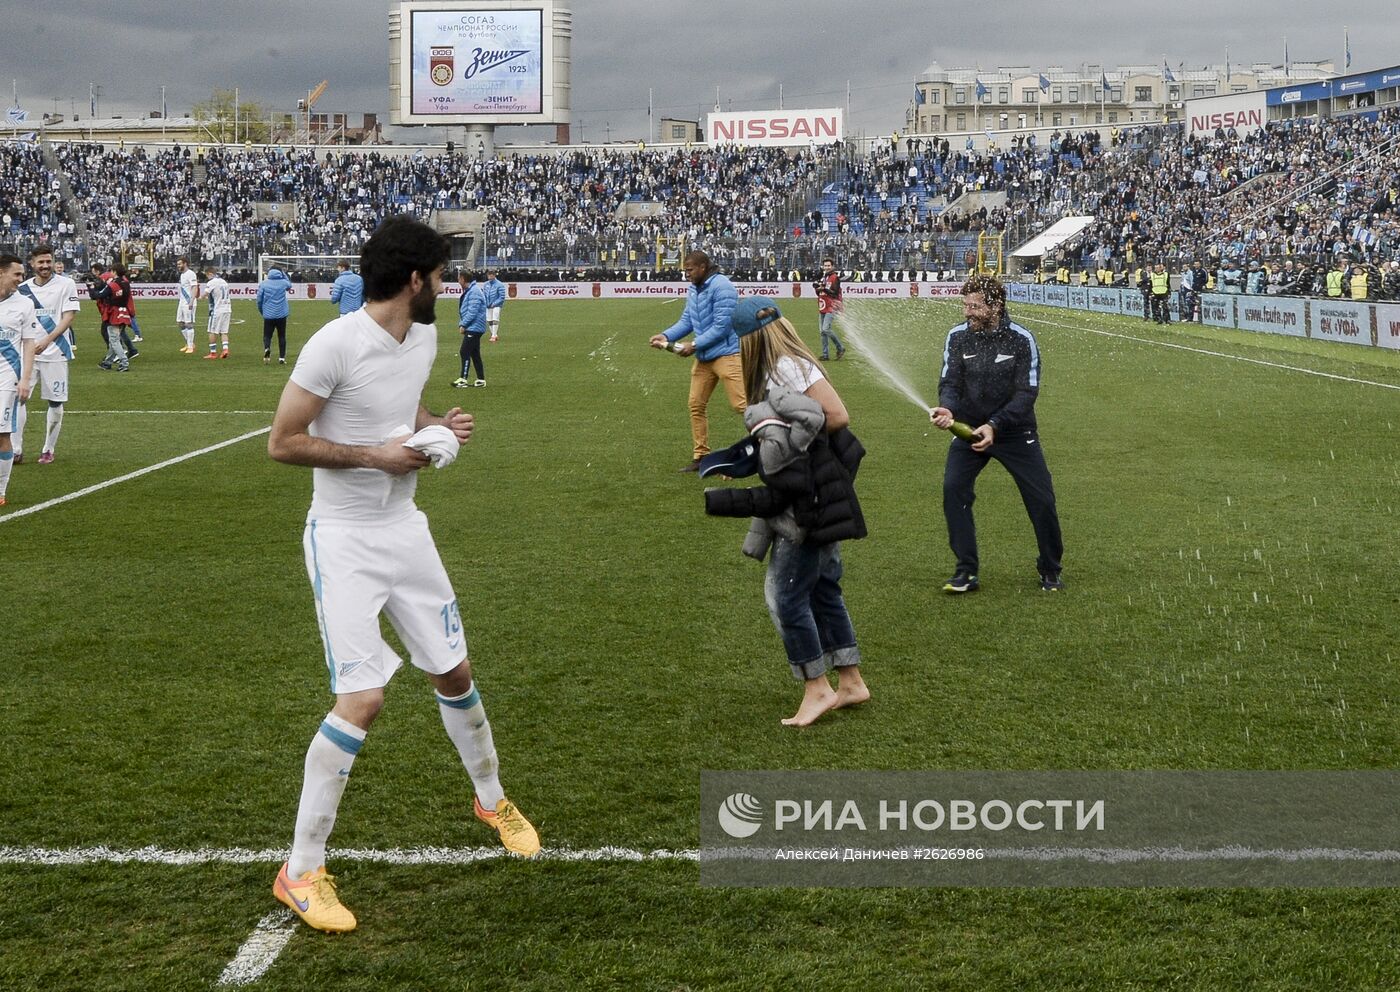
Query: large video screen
{"points": [[476, 62]]}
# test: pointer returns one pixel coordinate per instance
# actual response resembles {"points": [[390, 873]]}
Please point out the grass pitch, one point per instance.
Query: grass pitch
{"points": [[1230, 533]]}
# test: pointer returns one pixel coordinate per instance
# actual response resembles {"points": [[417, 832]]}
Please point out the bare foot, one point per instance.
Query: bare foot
{"points": [[851, 689], [815, 702], [853, 696]]}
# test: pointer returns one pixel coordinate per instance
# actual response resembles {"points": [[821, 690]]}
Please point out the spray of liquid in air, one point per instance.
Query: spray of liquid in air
{"points": [[873, 331]]}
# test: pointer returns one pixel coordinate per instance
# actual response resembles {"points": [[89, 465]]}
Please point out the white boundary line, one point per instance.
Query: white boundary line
{"points": [[131, 475], [259, 952], [437, 856], [1213, 354], [459, 856]]}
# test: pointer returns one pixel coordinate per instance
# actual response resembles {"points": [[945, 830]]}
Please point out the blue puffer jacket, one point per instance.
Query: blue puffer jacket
{"points": [[272, 295], [709, 313], [471, 312], [495, 293]]}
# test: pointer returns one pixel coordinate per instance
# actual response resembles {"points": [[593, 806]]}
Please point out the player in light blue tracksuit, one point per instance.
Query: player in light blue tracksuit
{"points": [[495, 299], [471, 321], [348, 290], [273, 305]]}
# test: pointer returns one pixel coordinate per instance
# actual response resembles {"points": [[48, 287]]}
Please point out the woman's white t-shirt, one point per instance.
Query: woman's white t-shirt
{"points": [[797, 374]]}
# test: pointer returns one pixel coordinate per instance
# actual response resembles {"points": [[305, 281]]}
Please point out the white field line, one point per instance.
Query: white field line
{"points": [[436, 856], [456, 857], [1212, 354], [259, 952], [131, 475]]}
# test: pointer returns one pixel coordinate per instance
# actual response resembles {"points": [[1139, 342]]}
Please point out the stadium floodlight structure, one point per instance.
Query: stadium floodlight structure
{"points": [[479, 64]]}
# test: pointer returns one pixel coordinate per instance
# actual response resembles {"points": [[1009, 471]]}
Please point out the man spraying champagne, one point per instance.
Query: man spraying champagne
{"points": [[991, 377]]}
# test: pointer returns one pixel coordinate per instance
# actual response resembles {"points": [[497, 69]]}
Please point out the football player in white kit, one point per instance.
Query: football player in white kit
{"points": [[189, 304], [19, 334], [220, 312], [55, 297], [355, 395]]}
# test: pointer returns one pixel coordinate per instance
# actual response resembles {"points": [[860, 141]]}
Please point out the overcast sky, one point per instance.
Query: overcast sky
{"points": [[275, 51]]}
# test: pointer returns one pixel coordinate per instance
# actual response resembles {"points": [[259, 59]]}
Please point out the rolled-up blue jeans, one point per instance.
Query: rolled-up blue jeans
{"points": [[803, 592]]}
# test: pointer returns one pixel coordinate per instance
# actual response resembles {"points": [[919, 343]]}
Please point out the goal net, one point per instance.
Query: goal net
{"points": [[306, 268]]}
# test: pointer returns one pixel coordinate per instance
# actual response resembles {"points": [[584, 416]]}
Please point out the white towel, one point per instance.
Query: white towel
{"points": [[435, 441]]}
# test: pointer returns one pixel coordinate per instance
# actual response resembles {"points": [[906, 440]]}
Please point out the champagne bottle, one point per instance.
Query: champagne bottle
{"points": [[963, 431]]}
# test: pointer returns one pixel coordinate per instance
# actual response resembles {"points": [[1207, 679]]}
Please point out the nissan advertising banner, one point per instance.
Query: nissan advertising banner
{"points": [[775, 127], [1242, 111]]}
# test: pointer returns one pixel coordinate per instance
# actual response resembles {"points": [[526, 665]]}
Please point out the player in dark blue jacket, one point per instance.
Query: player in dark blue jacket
{"points": [[990, 378]]}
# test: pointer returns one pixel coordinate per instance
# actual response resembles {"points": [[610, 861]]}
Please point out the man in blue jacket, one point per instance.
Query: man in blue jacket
{"points": [[348, 290], [991, 377], [709, 315], [495, 299], [471, 322], [273, 305]]}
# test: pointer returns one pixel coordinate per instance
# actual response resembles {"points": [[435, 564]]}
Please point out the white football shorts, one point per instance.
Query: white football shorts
{"points": [[184, 313], [359, 570], [218, 323], [53, 379], [9, 408], [493, 313]]}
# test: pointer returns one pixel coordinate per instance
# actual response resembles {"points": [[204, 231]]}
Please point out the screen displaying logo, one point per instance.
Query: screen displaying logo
{"points": [[440, 66], [503, 62]]}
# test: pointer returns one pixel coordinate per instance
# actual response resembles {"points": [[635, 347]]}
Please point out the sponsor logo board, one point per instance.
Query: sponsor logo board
{"points": [[1272, 315]]}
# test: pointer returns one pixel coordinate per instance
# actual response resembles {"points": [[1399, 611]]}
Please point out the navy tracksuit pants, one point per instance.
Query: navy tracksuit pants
{"points": [[471, 352], [1022, 456]]}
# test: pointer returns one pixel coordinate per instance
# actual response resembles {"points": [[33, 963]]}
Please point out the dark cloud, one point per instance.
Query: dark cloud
{"points": [[275, 51]]}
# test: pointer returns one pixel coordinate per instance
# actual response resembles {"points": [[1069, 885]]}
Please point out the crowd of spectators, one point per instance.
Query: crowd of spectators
{"points": [[1311, 189], [1308, 189]]}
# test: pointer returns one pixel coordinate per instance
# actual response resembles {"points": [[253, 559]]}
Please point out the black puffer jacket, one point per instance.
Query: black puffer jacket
{"points": [[819, 488]]}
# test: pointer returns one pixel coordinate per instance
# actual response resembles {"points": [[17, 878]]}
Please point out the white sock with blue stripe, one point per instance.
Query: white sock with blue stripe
{"points": [[466, 723], [7, 462], [328, 762], [21, 418], [53, 424]]}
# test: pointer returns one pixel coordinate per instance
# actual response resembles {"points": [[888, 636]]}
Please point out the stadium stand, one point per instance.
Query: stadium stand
{"points": [[1308, 190]]}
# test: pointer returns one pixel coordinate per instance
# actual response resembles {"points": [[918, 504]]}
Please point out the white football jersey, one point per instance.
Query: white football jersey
{"points": [[52, 300], [219, 300], [19, 322], [372, 386], [189, 287]]}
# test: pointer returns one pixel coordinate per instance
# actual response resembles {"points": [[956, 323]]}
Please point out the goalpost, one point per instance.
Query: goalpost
{"points": [[322, 267]]}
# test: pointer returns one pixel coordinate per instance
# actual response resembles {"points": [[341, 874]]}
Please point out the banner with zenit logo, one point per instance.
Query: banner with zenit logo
{"points": [[1147, 828]]}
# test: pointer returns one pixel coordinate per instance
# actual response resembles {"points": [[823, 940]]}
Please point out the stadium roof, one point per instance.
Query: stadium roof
{"points": [[118, 124]]}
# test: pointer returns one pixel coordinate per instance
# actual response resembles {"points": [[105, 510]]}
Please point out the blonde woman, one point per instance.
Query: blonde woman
{"points": [[807, 458]]}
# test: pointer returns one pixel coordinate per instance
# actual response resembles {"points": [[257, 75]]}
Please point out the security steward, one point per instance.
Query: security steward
{"points": [[1335, 275], [1142, 277], [1161, 284], [991, 377], [1360, 282]]}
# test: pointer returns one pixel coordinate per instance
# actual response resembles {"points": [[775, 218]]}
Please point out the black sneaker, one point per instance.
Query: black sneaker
{"points": [[1050, 582], [961, 582], [692, 467]]}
